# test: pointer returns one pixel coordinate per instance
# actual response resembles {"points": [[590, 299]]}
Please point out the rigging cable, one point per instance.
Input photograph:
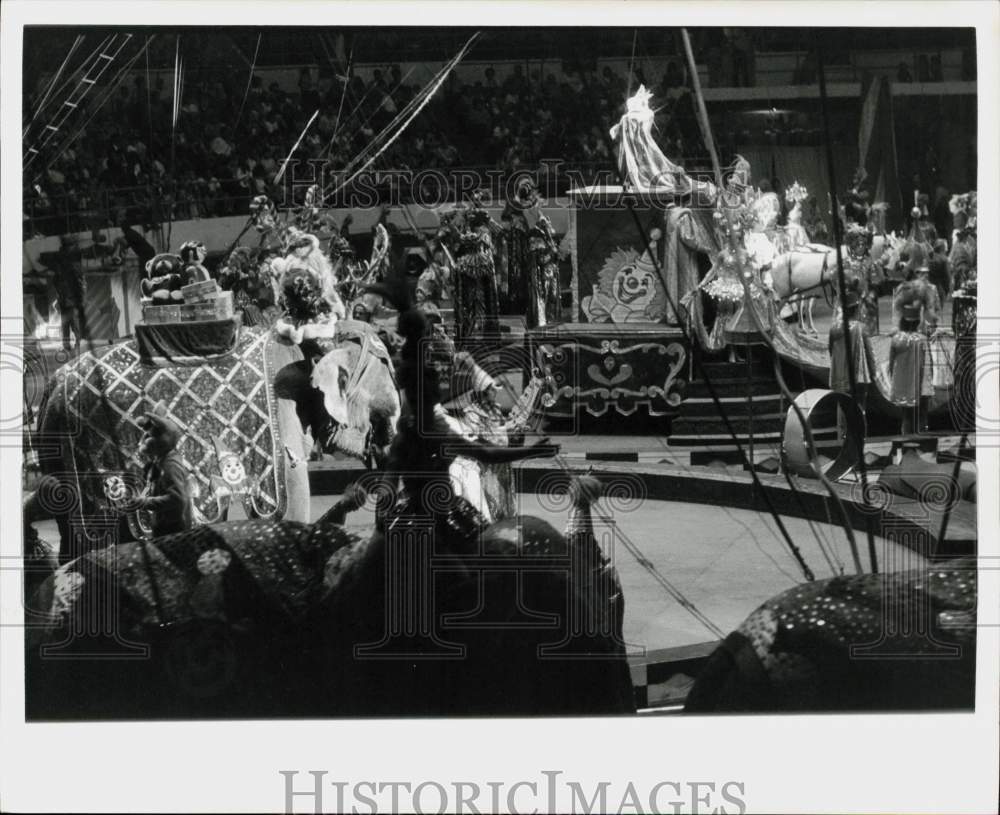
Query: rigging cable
{"points": [[761, 330], [246, 93], [119, 78], [427, 96], [755, 478], [842, 285], [76, 44]]}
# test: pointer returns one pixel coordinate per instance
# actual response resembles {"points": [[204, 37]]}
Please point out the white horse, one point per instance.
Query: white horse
{"points": [[802, 275]]}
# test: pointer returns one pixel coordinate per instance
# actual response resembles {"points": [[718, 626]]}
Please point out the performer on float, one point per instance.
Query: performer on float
{"points": [[861, 358], [731, 267], [859, 270], [795, 234], [910, 368], [167, 495], [641, 163]]}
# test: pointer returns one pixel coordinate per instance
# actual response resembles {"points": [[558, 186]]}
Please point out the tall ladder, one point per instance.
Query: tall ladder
{"points": [[95, 69]]}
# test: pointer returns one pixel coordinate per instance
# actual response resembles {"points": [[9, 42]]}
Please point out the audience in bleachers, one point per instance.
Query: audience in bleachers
{"points": [[227, 149]]}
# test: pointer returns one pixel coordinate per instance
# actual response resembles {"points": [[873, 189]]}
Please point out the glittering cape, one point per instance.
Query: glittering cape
{"points": [[641, 161], [842, 644]]}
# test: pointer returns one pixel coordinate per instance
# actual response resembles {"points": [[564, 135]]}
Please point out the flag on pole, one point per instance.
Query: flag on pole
{"points": [[877, 144]]}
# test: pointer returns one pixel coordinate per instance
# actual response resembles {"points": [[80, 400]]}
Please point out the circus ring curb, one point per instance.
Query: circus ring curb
{"points": [[658, 669]]}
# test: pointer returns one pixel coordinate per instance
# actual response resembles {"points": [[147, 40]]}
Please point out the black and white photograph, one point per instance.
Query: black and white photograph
{"points": [[594, 381]]}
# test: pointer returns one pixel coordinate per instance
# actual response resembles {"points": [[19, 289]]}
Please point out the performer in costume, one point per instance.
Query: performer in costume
{"points": [[918, 289], [167, 495], [310, 308], [725, 283], [544, 300], [426, 443], [641, 163], [795, 234], [861, 358], [469, 233], [859, 270], [909, 369], [71, 289]]}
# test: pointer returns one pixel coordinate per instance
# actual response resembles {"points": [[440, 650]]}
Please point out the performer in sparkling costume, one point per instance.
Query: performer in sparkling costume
{"points": [[469, 233], [724, 282], [417, 476]]}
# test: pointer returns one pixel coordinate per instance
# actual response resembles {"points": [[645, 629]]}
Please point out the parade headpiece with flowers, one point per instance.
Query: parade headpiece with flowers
{"points": [[796, 194]]}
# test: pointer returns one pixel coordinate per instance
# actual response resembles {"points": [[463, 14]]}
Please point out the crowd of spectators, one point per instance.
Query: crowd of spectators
{"points": [[129, 163]]}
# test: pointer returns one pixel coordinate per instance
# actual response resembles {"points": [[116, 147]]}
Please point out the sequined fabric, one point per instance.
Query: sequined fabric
{"points": [[279, 563], [904, 640]]}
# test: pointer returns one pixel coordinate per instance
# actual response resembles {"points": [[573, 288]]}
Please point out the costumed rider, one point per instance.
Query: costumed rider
{"points": [[311, 308], [167, 494], [427, 442], [309, 295]]}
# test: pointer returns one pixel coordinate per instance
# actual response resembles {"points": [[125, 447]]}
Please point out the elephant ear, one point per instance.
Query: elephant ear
{"points": [[331, 375]]}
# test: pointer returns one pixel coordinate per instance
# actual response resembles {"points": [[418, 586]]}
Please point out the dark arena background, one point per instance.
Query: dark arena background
{"points": [[510, 371]]}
